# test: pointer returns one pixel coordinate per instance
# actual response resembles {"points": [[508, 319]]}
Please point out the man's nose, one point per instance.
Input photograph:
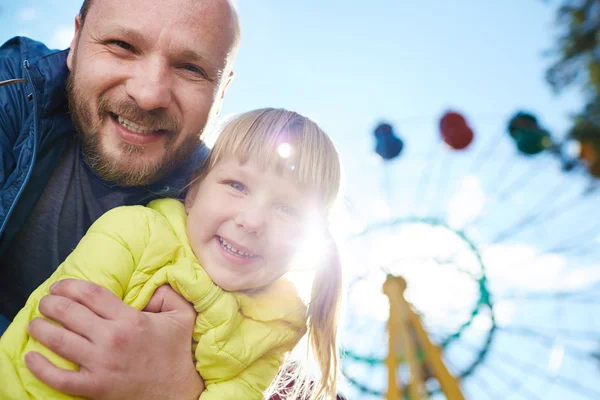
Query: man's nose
{"points": [[151, 85]]}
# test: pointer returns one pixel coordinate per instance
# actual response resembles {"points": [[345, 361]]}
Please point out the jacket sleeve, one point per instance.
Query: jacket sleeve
{"points": [[251, 383], [244, 354], [14, 107], [107, 255]]}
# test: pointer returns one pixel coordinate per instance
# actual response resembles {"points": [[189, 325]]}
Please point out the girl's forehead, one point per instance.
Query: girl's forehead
{"points": [[254, 166], [283, 180]]}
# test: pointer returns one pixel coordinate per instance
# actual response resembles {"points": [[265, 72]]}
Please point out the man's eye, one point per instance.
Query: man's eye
{"points": [[123, 45], [195, 69]]}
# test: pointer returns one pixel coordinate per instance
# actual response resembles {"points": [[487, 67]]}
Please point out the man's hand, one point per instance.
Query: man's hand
{"points": [[123, 353]]}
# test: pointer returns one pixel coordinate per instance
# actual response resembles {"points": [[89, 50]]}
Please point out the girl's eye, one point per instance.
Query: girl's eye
{"points": [[288, 210], [237, 186]]}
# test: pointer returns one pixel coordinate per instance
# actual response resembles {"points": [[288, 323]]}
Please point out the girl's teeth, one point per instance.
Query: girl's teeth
{"points": [[233, 249]]}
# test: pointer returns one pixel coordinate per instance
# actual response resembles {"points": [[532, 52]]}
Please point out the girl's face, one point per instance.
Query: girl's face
{"points": [[246, 223]]}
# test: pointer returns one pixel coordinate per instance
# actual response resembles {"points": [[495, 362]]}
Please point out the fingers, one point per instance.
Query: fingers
{"points": [[69, 382], [70, 314], [61, 341], [101, 301], [165, 299]]}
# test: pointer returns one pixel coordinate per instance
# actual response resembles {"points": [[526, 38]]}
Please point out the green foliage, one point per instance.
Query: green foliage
{"points": [[578, 63], [577, 47]]}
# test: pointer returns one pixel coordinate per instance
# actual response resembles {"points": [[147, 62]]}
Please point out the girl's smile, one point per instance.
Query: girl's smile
{"points": [[235, 253], [245, 223]]}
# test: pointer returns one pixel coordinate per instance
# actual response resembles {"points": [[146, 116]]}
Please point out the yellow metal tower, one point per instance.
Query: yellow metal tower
{"points": [[408, 337]]}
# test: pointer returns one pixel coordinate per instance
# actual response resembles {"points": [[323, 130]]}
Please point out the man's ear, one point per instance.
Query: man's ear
{"points": [[190, 197], [225, 86], [74, 42]]}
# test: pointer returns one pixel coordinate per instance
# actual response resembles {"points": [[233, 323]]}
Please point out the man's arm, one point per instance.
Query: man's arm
{"points": [[123, 353], [103, 256], [13, 105]]}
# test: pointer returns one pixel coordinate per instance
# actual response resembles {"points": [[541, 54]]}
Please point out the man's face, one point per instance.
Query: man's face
{"points": [[146, 78]]}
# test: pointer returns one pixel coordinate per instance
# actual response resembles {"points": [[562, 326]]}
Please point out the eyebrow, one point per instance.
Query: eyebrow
{"points": [[192, 55], [291, 198], [126, 32], [186, 54]]}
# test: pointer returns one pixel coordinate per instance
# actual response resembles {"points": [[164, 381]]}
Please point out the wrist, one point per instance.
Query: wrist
{"points": [[191, 388]]}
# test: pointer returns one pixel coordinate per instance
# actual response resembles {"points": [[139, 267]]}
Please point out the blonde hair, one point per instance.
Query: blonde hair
{"points": [[314, 164]]}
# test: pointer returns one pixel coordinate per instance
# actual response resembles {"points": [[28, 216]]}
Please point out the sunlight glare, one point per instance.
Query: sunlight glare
{"points": [[285, 150]]}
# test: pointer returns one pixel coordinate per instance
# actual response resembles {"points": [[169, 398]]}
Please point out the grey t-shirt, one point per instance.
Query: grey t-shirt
{"points": [[73, 199]]}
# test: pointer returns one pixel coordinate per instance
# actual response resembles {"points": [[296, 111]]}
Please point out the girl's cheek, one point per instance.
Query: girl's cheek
{"points": [[292, 241]]}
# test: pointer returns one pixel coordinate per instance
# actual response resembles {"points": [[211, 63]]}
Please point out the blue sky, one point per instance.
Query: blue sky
{"points": [[368, 60], [349, 64]]}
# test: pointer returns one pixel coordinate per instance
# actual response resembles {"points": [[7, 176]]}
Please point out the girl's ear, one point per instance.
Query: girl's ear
{"points": [[190, 197]]}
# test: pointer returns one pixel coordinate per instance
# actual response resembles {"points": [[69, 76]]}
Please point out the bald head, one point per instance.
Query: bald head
{"points": [[227, 6], [162, 65]]}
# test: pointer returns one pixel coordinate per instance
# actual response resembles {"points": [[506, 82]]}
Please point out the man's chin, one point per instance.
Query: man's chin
{"points": [[131, 173], [128, 165]]}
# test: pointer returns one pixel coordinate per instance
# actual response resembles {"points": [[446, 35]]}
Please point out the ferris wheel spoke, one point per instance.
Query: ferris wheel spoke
{"points": [[488, 389], [425, 178], [503, 171], [579, 296], [531, 216], [551, 341], [534, 369], [444, 177], [586, 234], [481, 217], [542, 202], [489, 212], [487, 152], [511, 382], [580, 252], [544, 217], [524, 368], [525, 178]]}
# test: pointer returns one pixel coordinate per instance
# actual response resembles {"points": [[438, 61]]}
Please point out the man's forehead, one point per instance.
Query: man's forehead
{"points": [[200, 29], [195, 14], [225, 7]]}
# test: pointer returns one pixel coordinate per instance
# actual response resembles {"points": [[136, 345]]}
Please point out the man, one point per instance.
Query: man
{"points": [[143, 79]]}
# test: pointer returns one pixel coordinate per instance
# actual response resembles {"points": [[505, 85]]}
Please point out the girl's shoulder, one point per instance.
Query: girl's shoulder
{"points": [[278, 301], [139, 223]]}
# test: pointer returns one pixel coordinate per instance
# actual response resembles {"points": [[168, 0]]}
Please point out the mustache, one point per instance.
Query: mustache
{"points": [[156, 120]]}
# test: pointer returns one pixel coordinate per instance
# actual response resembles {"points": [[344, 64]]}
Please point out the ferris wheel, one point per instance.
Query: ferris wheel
{"points": [[497, 238]]}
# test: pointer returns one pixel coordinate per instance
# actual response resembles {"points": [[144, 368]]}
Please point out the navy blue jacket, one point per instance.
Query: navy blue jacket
{"points": [[35, 127]]}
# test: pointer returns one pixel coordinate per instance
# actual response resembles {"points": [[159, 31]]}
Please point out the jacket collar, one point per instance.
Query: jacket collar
{"points": [[49, 75]]}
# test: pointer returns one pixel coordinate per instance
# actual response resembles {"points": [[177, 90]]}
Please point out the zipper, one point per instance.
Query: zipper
{"points": [[33, 97], [11, 81]]}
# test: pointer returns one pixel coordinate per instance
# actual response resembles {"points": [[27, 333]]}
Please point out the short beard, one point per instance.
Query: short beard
{"points": [[129, 169]]}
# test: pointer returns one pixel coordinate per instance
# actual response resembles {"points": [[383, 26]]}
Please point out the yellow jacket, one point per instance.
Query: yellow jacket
{"points": [[240, 339]]}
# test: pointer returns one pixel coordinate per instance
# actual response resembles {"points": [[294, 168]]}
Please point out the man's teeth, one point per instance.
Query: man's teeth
{"points": [[132, 126], [232, 249]]}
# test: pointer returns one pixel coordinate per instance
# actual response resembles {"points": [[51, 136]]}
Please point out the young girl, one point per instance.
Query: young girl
{"points": [[269, 181]]}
